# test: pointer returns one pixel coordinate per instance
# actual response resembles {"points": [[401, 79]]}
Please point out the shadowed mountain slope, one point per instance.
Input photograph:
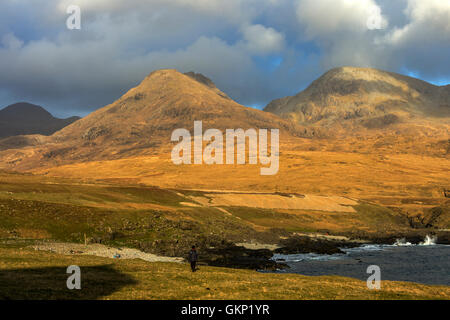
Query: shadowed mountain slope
{"points": [[25, 118]]}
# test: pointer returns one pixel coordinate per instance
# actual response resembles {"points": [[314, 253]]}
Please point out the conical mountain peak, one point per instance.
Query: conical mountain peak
{"points": [[144, 118]]}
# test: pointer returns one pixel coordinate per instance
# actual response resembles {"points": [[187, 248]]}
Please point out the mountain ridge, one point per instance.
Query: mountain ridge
{"points": [[363, 96], [128, 142]]}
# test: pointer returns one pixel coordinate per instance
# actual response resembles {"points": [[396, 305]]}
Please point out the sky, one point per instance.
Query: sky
{"points": [[254, 50]]}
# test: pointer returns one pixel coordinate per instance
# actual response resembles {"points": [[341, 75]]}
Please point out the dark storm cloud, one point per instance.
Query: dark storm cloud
{"points": [[255, 50]]}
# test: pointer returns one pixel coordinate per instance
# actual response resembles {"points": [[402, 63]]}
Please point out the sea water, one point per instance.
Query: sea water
{"points": [[426, 263]]}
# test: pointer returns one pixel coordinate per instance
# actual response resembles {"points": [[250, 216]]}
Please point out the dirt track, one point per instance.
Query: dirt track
{"points": [[102, 251]]}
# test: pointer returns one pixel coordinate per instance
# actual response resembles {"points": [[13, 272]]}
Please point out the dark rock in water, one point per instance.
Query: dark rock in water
{"points": [[297, 244], [443, 237], [232, 256]]}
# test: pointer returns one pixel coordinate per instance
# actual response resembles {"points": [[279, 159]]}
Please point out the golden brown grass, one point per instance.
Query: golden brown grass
{"points": [[93, 208], [359, 175], [26, 274]]}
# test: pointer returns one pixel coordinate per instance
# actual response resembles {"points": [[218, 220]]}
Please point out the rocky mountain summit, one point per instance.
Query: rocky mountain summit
{"points": [[366, 97]]}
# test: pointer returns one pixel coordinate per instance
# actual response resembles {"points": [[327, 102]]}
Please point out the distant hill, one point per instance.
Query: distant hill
{"points": [[26, 119], [366, 97], [142, 121]]}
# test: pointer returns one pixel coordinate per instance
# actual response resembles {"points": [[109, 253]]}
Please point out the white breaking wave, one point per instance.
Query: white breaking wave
{"points": [[429, 241], [402, 243], [365, 247], [305, 257], [289, 258]]}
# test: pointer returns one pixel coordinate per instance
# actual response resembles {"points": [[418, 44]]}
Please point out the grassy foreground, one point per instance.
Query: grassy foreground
{"points": [[29, 274]]}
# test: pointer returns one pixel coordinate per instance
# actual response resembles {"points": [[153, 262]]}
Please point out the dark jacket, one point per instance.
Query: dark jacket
{"points": [[193, 256]]}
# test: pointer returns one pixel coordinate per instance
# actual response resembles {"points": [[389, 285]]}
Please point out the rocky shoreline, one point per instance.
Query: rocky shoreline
{"points": [[214, 251], [248, 255], [414, 237], [233, 256]]}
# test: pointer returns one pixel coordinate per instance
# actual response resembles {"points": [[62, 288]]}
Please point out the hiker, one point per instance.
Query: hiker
{"points": [[193, 257]]}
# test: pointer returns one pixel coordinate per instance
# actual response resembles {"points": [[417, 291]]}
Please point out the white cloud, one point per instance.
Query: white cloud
{"points": [[428, 21], [261, 39], [228, 40], [325, 18], [232, 10], [345, 30], [422, 44]]}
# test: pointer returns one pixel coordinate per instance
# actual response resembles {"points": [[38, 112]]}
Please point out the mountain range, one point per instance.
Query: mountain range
{"points": [[143, 119], [347, 109]]}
